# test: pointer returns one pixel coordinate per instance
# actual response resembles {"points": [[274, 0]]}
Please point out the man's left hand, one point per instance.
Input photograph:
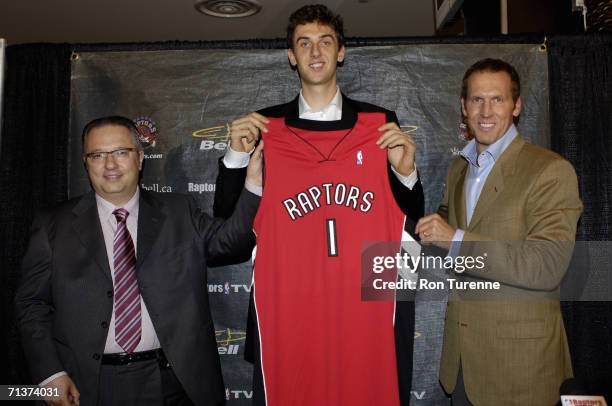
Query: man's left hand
{"points": [[434, 229], [401, 148]]}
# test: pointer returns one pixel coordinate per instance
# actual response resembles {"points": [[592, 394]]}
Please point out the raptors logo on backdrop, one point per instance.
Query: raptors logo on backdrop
{"points": [[147, 130]]}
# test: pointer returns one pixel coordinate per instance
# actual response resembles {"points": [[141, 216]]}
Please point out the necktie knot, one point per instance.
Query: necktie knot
{"points": [[121, 215]]}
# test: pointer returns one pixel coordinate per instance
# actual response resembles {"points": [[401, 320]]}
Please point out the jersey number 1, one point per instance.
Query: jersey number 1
{"points": [[332, 241]]}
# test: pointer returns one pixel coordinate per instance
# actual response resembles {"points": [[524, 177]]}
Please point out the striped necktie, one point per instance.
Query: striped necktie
{"points": [[128, 326]]}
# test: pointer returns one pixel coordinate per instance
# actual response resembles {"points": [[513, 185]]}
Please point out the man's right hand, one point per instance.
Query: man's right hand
{"points": [[69, 393], [434, 229], [244, 131]]}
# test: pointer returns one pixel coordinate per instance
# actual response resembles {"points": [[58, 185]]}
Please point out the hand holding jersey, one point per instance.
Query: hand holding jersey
{"points": [[401, 148], [244, 131]]}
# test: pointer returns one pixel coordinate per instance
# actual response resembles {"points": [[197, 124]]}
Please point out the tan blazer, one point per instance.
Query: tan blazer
{"points": [[511, 342]]}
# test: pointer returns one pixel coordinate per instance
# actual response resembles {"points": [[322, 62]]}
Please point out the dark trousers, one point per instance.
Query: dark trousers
{"points": [[143, 383], [459, 396]]}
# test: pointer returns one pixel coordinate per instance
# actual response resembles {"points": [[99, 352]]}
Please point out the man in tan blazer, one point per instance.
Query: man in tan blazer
{"points": [[519, 204]]}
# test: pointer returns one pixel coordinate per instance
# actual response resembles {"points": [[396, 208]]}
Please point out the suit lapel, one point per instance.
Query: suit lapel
{"points": [[505, 166], [349, 112], [87, 226], [150, 222], [491, 190], [292, 109], [460, 198]]}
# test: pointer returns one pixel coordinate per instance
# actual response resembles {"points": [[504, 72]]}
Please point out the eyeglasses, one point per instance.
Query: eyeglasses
{"points": [[120, 154]]}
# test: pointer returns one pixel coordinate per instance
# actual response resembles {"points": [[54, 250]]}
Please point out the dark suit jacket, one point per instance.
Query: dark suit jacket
{"points": [[410, 201], [65, 297]]}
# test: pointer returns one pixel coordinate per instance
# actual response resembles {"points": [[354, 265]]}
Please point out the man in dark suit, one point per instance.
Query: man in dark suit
{"points": [[315, 39], [112, 305]]}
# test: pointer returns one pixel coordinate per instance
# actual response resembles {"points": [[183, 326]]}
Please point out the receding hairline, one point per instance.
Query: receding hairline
{"points": [[112, 121], [491, 71], [493, 65]]}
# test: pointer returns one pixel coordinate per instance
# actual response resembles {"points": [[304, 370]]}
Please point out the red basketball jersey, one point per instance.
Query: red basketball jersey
{"points": [[325, 194]]}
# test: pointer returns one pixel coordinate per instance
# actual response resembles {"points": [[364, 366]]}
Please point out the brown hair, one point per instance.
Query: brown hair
{"points": [[493, 65], [315, 13]]}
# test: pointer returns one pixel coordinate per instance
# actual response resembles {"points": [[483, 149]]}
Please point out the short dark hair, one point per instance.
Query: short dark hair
{"points": [[112, 120], [493, 65], [315, 13]]}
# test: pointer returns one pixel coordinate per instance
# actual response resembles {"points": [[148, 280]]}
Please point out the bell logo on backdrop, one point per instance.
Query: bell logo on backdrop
{"points": [[229, 341], [148, 134], [408, 129], [213, 138]]}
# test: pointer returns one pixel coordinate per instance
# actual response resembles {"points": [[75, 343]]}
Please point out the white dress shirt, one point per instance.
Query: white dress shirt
{"points": [[331, 112], [479, 167]]}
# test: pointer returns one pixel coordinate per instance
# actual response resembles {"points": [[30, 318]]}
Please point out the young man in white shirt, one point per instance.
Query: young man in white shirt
{"points": [[316, 47]]}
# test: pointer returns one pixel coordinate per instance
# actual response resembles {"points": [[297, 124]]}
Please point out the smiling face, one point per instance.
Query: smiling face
{"points": [[316, 53], [488, 107], [114, 179]]}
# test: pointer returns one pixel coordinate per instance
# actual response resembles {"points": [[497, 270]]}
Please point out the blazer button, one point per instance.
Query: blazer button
{"points": [[104, 324], [109, 293], [96, 356]]}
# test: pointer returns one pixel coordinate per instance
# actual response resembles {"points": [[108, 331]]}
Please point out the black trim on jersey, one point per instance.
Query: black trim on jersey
{"points": [[311, 145], [347, 121]]}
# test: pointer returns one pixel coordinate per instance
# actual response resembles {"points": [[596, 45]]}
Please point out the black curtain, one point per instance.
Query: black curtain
{"points": [[33, 168], [580, 76]]}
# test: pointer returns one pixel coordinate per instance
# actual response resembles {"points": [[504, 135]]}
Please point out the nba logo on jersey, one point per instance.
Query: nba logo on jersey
{"points": [[359, 157]]}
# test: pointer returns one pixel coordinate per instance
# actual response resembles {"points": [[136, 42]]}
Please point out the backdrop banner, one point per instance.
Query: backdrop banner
{"points": [[183, 100]]}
